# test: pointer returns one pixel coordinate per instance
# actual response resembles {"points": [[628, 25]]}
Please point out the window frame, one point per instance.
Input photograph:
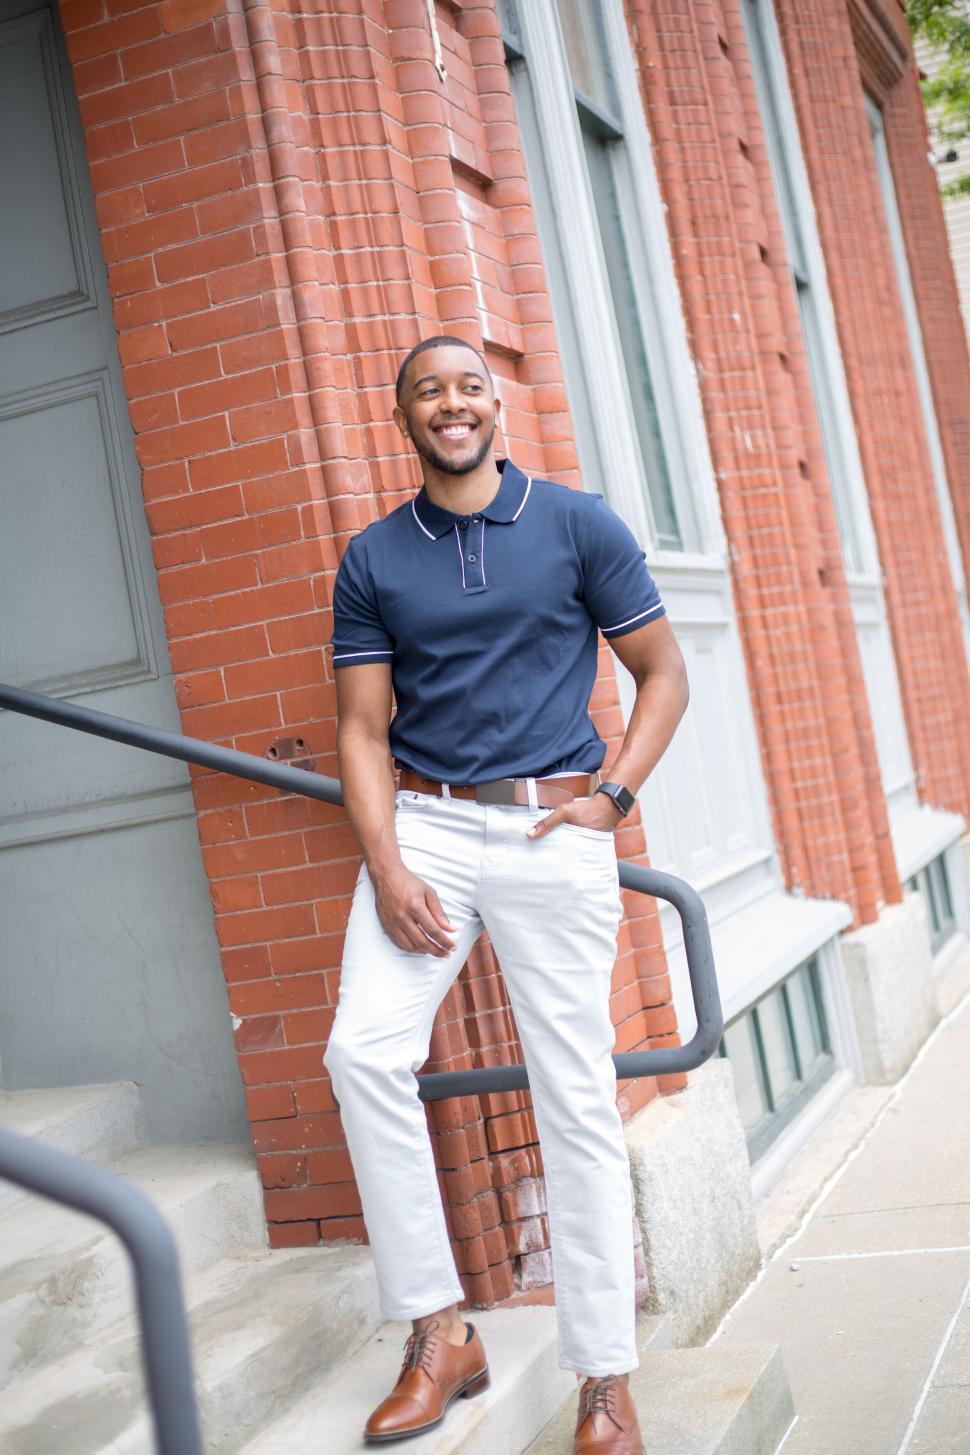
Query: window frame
{"points": [[784, 1107], [806, 265], [607, 439]]}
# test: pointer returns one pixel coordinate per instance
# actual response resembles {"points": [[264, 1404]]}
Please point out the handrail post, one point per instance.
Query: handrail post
{"points": [[166, 1354]]}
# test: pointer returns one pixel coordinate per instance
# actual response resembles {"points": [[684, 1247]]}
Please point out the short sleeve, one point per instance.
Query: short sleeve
{"points": [[619, 592], [359, 633]]}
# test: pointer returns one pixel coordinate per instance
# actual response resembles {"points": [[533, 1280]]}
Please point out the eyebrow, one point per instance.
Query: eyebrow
{"points": [[466, 374]]}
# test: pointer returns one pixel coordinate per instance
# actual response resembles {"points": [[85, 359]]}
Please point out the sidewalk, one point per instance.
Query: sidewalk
{"points": [[870, 1298]]}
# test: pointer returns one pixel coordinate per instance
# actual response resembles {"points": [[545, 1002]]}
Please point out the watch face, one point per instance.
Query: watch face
{"points": [[624, 799], [621, 796]]}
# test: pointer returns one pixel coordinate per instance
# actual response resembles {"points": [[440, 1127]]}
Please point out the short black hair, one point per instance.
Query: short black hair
{"points": [[439, 341]]}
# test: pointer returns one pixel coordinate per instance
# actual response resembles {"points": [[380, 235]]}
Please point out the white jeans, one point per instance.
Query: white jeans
{"points": [[552, 909]]}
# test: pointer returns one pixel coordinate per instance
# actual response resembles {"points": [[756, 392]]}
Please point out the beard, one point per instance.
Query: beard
{"points": [[454, 467]]}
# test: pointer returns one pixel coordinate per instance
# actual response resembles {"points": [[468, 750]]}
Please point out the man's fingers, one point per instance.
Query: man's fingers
{"points": [[434, 904], [418, 938], [404, 940], [545, 825], [428, 925]]}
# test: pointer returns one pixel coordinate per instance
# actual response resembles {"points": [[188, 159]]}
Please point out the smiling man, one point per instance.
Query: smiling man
{"points": [[477, 606]]}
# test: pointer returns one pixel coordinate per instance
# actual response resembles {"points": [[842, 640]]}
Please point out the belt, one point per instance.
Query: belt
{"points": [[549, 792]]}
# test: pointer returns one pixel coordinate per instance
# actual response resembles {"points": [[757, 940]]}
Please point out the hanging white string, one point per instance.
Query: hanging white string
{"points": [[439, 60]]}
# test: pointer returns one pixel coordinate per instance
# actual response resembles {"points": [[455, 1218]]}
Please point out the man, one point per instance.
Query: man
{"points": [[478, 603]]}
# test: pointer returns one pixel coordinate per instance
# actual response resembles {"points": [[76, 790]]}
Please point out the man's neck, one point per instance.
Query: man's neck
{"points": [[463, 494]]}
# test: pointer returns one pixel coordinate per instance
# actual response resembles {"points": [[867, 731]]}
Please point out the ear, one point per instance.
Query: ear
{"points": [[401, 420]]}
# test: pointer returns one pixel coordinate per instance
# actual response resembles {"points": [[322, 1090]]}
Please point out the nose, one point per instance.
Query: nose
{"points": [[451, 401]]}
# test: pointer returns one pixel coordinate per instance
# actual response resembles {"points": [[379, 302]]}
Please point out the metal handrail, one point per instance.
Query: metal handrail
{"points": [[155, 1260], [433, 1086]]}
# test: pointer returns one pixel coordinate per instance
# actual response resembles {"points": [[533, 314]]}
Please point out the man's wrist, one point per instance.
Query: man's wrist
{"points": [[620, 797], [383, 868]]}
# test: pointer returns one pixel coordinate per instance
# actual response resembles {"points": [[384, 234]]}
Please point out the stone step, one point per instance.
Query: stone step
{"points": [[265, 1327], [699, 1402], [64, 1275], [99, 1123], [527, 1388]]}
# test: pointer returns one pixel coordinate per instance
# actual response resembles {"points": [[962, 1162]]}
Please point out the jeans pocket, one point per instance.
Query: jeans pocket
{"points": [[600, 835]]}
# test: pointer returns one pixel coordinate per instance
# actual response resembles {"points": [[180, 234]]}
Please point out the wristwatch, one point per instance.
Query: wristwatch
{"points": [[623, 799]]}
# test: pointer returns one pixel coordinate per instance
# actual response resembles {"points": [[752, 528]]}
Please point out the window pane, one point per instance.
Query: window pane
{"points": [[509, 16], [928, 887], [630, 329], [944, 899], [804, 1014], [782, 164], [742, 1054], [586, 52], [779, 1055]]}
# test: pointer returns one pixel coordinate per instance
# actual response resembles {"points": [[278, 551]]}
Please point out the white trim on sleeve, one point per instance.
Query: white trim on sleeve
{"points": [[381, 652], [630, 620]]}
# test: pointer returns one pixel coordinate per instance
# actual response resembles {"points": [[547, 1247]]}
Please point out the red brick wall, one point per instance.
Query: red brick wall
{"points": [[288, 201]]}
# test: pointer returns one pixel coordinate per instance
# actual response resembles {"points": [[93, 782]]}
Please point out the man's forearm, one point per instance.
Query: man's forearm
{"points": [[660, 704], [367, 780]]}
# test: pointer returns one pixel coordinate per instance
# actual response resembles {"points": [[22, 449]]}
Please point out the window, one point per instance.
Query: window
{"points": [[780, 1053], [933, 882], [625, 399], [821, 347], [607, 163]]}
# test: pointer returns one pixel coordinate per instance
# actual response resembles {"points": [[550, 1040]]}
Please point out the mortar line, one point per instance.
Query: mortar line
{"points": [[924, 1392], [840, 1172]]}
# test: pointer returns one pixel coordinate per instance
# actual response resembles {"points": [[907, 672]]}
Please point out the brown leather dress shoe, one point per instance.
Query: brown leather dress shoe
{"points": [[434, 1373], [607, 1422]]}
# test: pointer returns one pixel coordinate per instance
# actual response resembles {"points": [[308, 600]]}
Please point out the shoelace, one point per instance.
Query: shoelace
{"points": [[417, 1350], [599, 1396]]}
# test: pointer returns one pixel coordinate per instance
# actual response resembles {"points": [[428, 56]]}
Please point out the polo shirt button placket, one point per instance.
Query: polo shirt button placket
{"points": [[473, 549]]}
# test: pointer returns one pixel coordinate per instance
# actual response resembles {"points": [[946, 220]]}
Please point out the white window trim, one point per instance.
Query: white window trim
{"points": [[839, 429], [675, 386]]}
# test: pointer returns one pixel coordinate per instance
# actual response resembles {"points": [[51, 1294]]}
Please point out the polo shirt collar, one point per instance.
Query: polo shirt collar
{"points": [[505, 507]]}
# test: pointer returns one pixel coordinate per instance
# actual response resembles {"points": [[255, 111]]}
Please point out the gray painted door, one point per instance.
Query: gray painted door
{"points": [[109, 967]]}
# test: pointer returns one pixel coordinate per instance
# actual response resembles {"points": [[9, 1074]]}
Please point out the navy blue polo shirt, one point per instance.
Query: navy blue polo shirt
{"points": [[489, 621]]}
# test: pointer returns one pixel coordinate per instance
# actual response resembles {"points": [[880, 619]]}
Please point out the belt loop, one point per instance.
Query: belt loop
{"points": [[530, 788], [446, 790]]}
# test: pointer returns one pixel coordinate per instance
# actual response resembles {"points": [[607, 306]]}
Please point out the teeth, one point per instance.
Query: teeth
{"points": [[455, 431]]}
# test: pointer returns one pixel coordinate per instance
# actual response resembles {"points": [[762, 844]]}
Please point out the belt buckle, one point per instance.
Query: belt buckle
{"points": [[500, 790]]}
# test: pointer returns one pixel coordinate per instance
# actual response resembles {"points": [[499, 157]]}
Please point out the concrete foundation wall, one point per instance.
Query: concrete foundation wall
{"points": [[889, 973], [692, 1181]]}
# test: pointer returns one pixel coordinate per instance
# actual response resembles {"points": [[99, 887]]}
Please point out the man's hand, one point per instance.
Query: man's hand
{"points": [[411, 913], [596, 812]]}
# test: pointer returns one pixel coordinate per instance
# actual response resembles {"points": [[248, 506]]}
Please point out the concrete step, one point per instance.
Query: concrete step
{"points": [[265, 1327], [699, 1402], [100, 1123], [63, 1275], [527, 1389]]}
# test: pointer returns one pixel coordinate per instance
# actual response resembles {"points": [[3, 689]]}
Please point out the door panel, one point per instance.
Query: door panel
{"points": [[110, 966]]}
